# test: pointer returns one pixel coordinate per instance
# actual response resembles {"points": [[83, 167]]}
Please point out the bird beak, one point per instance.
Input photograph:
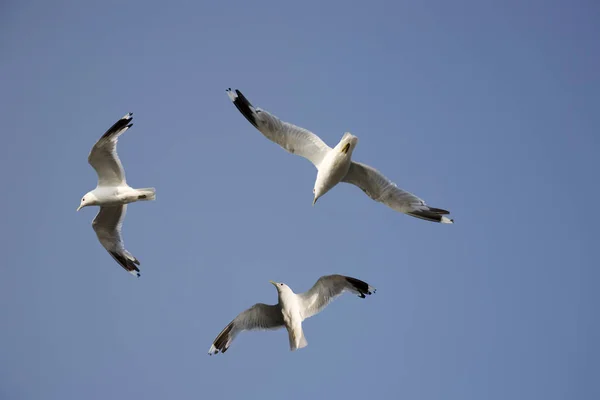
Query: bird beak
{"points": [[315, 200], [79, 208], [274, 283]]}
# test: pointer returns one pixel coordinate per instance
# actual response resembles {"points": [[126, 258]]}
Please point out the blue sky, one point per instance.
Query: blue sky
{"points": [[486, 108]]}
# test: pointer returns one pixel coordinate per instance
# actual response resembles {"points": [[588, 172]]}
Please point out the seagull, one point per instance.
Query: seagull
{"points": [[335, 165], [291, 310], [113, 194]]}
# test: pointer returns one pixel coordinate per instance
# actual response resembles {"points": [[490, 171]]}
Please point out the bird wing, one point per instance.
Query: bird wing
{"points": [[258, 317], [381, 189], [292, 138], [107, 226], [104, 158], [326, 289]]}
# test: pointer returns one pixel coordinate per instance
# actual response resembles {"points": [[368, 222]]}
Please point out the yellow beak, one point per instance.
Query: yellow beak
{"points": [[79, 208], [315, 200], [274, 283]]}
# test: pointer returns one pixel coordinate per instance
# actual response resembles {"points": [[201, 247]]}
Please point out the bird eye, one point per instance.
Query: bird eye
{"points": [[83, 199]]}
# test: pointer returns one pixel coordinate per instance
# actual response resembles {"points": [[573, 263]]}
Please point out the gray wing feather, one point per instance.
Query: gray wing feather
{"points": [[326, 289], [104, 158], [381, 189], [107, 226], [108, 223], [258, 317], [292, 138]]}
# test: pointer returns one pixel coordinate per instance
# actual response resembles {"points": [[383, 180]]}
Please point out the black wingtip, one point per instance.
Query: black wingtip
{"points": [[439, 211], [124, 122], [361, 286], [431, 214], [426, 216], [126, 263], [245, 107], [220, 342]]}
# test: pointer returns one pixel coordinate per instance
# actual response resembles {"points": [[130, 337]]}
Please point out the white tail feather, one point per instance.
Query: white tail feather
{"points": [[146, 194], [297, 339]]}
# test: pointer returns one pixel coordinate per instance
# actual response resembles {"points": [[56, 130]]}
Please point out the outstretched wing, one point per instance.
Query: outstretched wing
{"points": [[258, 317], [107, 226], [104, 158], [294, 139], [326, 289], [381, 189]]}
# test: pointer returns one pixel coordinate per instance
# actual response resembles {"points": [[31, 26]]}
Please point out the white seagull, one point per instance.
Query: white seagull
{"points": [[113, 194], [335, 165], [290, 311]]}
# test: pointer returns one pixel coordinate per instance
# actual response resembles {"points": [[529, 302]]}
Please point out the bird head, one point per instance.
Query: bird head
{"points": [[319, 190], [281, 287], [89, 199]]}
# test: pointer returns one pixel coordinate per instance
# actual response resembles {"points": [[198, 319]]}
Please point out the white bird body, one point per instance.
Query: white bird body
{"points": [[116, 195], [336, 165], [291, 310], [292, 316]]}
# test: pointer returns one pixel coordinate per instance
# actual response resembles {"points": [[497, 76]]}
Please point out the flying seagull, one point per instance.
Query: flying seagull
{"points": [[113, 194], [291, 310], [335, 165]]}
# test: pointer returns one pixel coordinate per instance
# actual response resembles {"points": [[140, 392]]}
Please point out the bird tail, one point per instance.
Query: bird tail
{"points": [[432, 214], [146, 194], [297, 339]]}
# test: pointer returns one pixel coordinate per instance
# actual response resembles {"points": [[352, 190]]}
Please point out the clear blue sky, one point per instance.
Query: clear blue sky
{"points": [[487, 108]]}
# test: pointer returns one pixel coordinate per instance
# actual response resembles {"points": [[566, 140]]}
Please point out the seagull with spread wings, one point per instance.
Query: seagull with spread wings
{"points": [[335, 165], [113, 194], [291, 310]]}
